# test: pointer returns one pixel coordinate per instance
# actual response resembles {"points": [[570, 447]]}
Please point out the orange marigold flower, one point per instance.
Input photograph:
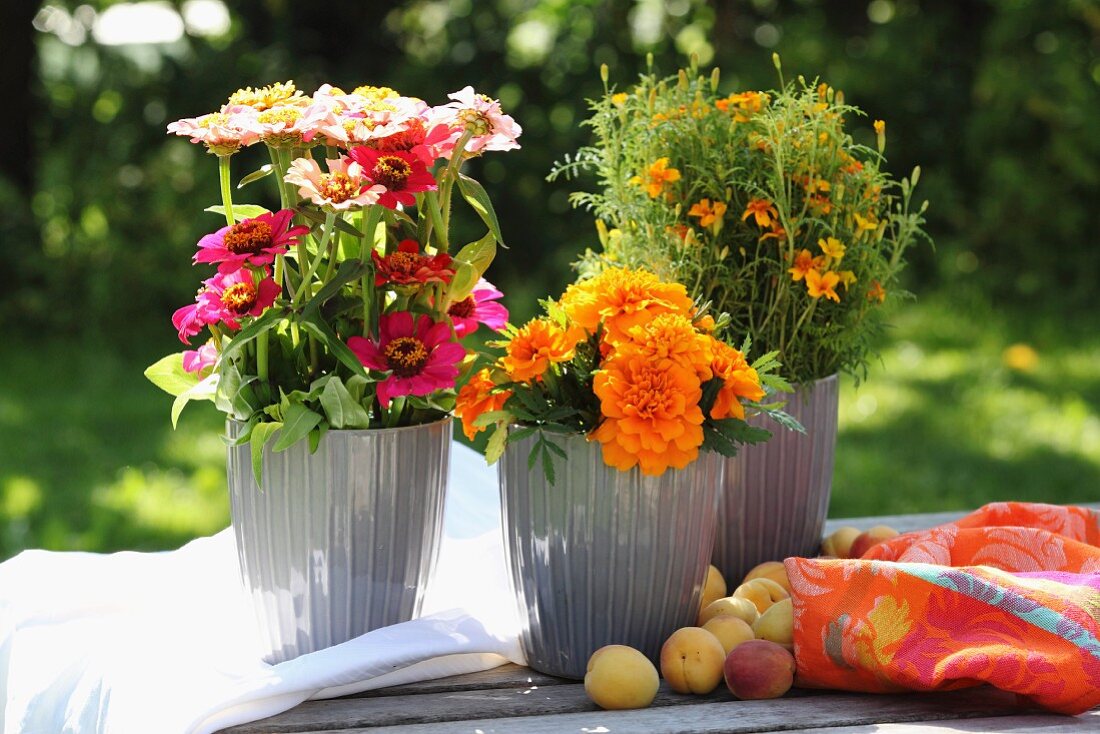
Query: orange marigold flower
{"points": [[777, 232], [820, 203], [476, 398], [652, 417], [865, 224], [880, 127], [620, 298], [656, 176], [847, 278], [535, 347], [671, 336], [739, 381], [619, 99], [708, 213], [803, 263], [833, 248], [762, 210], [877, 292], [820, 285]]}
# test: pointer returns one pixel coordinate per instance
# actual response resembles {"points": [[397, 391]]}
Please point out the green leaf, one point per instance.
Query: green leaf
{"points": [[264, 322], [495, 448], [357, 387], [349, 270], [298, 421], [548, 464], [475, 196], [341, 408], [240, 211], [315, 437], [205, 390], [479, 254], [316, 326], [317, 216], [262, 433], [493, 416], [521, 433], [263, 172], [463, 282], [169, 375]]}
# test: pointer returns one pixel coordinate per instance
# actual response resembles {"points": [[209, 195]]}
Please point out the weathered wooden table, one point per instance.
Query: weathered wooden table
{"points": [[516, 699]]}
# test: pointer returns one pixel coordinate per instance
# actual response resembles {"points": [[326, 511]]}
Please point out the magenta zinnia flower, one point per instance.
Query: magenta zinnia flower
{"points": [[420, 357], [480, 307], [254, 241], [403, 174], [198, 360], [230, 296]]}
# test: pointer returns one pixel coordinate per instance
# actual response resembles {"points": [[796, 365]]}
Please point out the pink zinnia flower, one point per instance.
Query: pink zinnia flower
{"points": [[291, 124], [344, 187], [223, 133], [190, 320], [203, 358], [493, 130], [420, 357], [480, 307], [254, 241], [230, 296], [402, 174]]}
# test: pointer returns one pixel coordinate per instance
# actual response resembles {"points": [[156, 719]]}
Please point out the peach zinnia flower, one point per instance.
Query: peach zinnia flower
{"points": [[344, 187], [708, 214], [223, 133], [761, 210], [819, 285], [671, 336], [739, 381], [655, 178], [536, 346], [476, 398], [482, 115], [651, 414], [620, 298]]}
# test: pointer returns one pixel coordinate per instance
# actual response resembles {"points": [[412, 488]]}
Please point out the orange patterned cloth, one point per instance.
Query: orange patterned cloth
{"points": [[1009, 595]]}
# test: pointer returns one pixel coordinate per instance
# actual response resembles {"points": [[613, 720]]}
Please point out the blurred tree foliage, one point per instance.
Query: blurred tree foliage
{"points": [[998, 100]]}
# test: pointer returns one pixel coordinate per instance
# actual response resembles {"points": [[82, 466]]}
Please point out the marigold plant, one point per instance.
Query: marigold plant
{"points": [[761, 202], [629, 360], [347, 307]]}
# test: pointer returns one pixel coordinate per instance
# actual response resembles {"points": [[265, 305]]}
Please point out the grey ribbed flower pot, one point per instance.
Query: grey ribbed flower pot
{"points": [[342, 541], [604, 557], [776, 494]]}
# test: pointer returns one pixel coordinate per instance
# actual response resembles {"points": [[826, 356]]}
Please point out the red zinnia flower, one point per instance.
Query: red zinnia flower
{"points": [[409, 266], [254, 241], [420, 357], [403, 174]]}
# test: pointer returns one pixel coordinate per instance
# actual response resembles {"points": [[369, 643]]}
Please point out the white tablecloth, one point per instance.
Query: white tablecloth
{"points": [[144, 643]]}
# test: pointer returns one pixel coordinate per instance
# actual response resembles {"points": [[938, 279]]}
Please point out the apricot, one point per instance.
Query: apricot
{"points": [[730, 606], [730, 631], [870, 538], [714, 588], [761, 592], [777, 624], [759, 669], [772, 570], [620, 677], [839, 543], [691, 660]]}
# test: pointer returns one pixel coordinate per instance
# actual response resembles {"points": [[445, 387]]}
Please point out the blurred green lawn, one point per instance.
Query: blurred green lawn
{"points": [[88, 459]]}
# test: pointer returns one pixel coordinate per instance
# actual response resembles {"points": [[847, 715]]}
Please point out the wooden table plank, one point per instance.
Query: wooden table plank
{"points": [[693, 717], [509, 675], [1039, 723]]}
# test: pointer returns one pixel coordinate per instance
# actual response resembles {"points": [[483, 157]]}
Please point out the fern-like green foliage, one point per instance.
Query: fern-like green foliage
{"points": [[737, 197]]}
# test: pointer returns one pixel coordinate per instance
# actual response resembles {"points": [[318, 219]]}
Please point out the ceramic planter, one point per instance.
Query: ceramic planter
{"points": [[341, 541], [776, 495], [602, 556]]}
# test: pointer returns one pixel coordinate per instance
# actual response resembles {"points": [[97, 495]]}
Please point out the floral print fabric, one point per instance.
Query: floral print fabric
{"points": [[1009, 596]]}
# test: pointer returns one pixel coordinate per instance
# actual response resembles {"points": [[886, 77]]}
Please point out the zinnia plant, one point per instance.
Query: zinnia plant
{"points": [[761, 202], [627, 359], [346, 307]]}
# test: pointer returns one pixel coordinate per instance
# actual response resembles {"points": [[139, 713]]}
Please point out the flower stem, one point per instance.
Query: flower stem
{"points": [[227, 190], [307, 276], [261, 356]]}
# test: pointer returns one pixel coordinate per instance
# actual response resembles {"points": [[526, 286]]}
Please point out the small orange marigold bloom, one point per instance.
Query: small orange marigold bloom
{"points": [[803, 263], [476, 398], [671, 336], [708, 213], [880, 127], [739, 381], [620, 298], [877, 292], [763, 211], [820, 285], [652, 417], [656, 176], [535, 347]]}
